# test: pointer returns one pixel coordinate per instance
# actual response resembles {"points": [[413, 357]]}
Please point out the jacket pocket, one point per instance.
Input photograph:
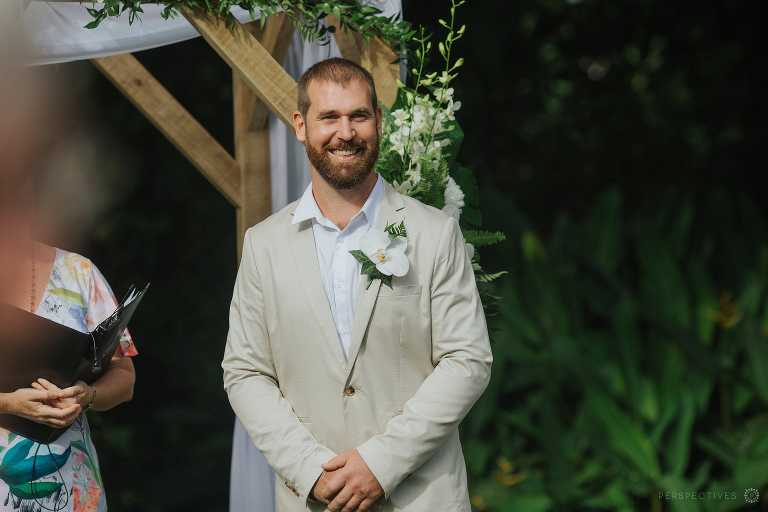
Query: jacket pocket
{"points": [[399, 291]]}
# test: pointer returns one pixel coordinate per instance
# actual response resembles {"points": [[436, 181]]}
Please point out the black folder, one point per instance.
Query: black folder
{"points": [[32, 347]]}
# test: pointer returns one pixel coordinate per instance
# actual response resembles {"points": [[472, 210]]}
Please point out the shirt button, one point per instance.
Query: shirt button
{"points": [[349, 391]]}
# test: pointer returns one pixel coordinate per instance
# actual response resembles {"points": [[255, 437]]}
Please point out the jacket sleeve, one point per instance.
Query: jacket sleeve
{"points": [[253, 389], [461, 354]]}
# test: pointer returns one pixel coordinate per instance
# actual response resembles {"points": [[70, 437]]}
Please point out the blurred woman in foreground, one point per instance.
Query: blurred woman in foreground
{"points": [[61, 286]]}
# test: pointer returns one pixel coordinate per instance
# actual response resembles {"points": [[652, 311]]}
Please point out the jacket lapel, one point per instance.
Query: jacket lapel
{"points": [[391, 210], [308, 271]]}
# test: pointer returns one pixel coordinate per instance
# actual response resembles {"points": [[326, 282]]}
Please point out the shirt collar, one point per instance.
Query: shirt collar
{"points": [[308, 209]]}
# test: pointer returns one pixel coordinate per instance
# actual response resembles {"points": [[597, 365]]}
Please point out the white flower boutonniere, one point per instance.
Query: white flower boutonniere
{"points": [[382, 253]]}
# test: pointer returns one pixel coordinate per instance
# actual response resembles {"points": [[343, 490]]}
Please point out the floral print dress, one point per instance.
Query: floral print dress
{"points": [[62, 476]]}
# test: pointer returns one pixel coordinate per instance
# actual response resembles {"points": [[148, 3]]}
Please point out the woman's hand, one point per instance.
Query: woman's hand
{"points": [[83, 393], [35, 405], [114, 388]]}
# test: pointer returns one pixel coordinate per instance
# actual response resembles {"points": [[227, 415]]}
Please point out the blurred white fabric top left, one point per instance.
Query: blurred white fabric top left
{"points": [[56, 31]]}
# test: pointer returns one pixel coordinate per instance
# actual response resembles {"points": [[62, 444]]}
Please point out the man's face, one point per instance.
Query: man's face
{"points": [[340, 132]]}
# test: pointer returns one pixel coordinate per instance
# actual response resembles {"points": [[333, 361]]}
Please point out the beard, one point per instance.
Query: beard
{"points": [[344, 175]]}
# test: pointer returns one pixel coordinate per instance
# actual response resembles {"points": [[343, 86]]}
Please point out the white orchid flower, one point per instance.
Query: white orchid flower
{"points": [[454, 199], [386, 253], [400, 117]]}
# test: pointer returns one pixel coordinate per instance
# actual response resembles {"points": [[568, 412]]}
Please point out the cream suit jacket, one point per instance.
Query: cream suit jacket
{"points": [[419, 359]]}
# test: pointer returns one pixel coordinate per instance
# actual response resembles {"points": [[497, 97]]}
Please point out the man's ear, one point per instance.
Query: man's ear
{"points": [[299, 127], [378, 119]]}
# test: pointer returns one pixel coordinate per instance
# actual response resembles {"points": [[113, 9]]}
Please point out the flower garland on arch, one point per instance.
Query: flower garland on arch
{"points": [[306, 15], [420, 143]]}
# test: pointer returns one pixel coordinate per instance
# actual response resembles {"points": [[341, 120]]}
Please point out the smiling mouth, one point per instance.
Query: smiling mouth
{"points": [[345, 152]]}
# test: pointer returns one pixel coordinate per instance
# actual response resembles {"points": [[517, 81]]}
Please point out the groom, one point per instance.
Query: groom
{"points": [[354, 391]]}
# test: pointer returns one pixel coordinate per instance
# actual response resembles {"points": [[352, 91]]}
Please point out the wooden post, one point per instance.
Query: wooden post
{"points": [[251, 119]]}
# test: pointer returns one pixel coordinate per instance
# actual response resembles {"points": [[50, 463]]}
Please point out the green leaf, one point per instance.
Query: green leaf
{"points": [[665, 296], [396, 230], [368, 267], [648, 405], [757, 362], [360, 256], [715, 447], [480, 238], [751, 472], [35, 490], [679, 447], [613, 497], [528, 503], [488, 278], [668, 413], [34, 467], [624, 436], [533, 249], [18, 452]]}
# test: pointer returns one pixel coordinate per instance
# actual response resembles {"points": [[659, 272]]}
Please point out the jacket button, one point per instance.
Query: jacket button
{"points": [[349, 391]]}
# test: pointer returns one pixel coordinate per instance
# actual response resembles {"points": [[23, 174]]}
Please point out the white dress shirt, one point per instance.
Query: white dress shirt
{"points": [[339, 270]]}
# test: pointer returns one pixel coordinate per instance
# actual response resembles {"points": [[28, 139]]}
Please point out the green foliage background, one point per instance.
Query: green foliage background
{"points": [[613, 142]]}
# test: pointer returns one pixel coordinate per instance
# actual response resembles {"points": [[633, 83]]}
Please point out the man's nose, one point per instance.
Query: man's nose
{"points": [[346, 132]]}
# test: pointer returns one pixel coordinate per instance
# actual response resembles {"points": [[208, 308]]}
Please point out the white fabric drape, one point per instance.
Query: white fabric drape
{"points": [[56, 35]]}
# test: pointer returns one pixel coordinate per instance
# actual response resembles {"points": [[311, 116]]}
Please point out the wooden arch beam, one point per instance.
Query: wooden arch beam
{"points": [[172, 119], [250, 60]]}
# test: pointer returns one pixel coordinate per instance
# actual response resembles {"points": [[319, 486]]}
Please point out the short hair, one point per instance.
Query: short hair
{"points": [[335, 70]]}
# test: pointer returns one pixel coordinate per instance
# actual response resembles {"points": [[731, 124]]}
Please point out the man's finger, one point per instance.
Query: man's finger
{"points": [[367, 504], [334, 483], [340, 500], [335, 463], [353, 503], [37, 386]]}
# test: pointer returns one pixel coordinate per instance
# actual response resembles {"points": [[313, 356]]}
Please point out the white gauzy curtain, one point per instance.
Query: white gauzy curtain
{"points": [[56, 35]]}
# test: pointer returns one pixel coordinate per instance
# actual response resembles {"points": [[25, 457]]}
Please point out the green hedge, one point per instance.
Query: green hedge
{"points": [[631, 363]]}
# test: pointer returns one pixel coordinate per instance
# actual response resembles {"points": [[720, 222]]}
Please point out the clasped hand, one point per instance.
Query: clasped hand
{"points": [[46, 403], [347, 484]]}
